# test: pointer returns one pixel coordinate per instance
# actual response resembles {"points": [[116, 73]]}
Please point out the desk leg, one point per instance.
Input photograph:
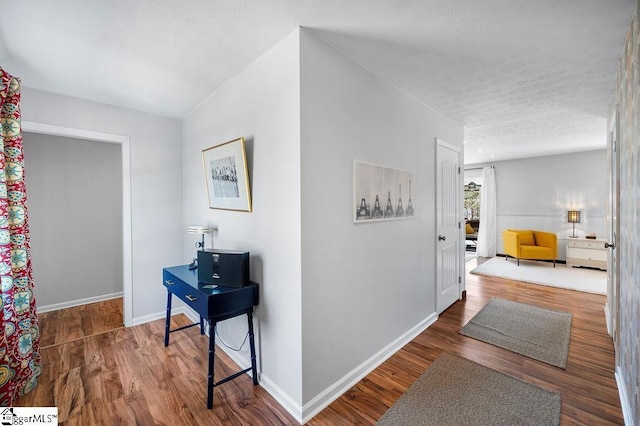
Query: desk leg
{"points": [[167, 322], [212, 352], [252, 346], [201, 325]]}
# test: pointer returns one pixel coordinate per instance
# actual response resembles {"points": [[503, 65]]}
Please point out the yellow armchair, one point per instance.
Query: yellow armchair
{"points": [[528, 244]]}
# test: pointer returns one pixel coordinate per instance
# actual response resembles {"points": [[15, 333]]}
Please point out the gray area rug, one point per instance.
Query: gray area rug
{"points": [[528, 330], [456, 391]]}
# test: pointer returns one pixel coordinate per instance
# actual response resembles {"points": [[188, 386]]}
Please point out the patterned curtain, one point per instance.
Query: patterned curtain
{"points": [[19, 332]]}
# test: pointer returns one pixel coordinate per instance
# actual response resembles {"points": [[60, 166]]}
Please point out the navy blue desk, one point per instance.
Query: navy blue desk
{"points": [[213, 304]]}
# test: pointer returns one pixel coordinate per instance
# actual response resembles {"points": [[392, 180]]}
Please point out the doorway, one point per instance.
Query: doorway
{"points": [[75, 219], [126, 251]]}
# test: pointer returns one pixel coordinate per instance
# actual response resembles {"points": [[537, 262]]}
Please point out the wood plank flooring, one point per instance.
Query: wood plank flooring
{"points": [[79, 322], [127, 376]]}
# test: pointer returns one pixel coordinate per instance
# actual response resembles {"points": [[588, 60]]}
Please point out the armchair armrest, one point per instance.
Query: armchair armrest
{"points": [[511, 241]]}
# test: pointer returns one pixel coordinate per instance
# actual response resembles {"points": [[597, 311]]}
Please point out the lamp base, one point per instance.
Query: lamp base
{"points": [[193, 265]]}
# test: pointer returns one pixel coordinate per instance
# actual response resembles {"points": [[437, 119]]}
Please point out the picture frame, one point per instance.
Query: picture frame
{"points": [[382, 193], [227, 177]]}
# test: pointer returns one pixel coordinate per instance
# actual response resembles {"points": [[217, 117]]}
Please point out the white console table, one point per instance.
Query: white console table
{"points": [[586, 252]]}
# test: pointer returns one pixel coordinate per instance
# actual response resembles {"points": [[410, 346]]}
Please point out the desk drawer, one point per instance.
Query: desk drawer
{"points": [[185, 292]]}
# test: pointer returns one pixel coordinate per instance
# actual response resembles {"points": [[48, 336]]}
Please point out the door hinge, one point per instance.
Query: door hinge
{"points": [[459, 280], [459, 225], [458, 170]]}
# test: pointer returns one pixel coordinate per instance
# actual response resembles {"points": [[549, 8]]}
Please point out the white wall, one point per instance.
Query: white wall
{"points": [[363, 285], [156, 183], [75, 186], [261, 104], [536, 193]]}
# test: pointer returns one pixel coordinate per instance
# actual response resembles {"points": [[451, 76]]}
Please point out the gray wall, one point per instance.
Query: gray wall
{"points": [[156, 184], [261, 104], [536, 193], [363, 285], [326, 311], [75, 218]]}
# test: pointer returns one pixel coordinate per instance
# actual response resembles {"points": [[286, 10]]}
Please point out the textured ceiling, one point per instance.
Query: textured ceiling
{"points": [[524, 77]]}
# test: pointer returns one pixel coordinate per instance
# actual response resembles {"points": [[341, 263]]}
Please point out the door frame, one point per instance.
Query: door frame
{"points": [[459, 197], [612, 307], [127, 256]]}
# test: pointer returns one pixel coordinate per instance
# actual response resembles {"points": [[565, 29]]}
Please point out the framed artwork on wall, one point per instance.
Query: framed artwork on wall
{"points": [[382, 193], [225, 169]]}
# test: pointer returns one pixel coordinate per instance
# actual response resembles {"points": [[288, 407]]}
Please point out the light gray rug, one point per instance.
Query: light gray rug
{"points": [[528, 330], [456, 391], [543, 273]]}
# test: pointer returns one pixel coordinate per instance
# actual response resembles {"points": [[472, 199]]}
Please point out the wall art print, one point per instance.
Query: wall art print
{"points": [[225, 169], [382, 193]]}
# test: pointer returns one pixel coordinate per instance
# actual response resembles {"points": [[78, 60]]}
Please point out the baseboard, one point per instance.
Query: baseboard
{"points": [[79, 302], [606, 318], [624, 399], [334, 391], [265, 382], [162, 315], [305, 413]]}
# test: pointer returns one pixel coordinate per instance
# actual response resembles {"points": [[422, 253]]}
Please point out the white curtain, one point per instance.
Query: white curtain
{"points": [[487, 232]]}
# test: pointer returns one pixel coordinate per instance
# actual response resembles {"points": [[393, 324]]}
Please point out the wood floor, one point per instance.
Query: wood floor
{"points": [[126, 376]]}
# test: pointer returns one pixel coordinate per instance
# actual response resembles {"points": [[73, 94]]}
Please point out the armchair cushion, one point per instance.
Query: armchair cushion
{"points": [[526, 238]]}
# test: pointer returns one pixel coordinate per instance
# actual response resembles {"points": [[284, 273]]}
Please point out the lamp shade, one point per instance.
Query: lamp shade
{"points": [[199, 229], [573, 216]]}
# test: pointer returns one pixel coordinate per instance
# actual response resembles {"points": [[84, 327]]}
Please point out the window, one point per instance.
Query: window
{"points": [[472, 201]]}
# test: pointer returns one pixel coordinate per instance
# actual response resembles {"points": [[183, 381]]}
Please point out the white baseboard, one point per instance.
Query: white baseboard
{"points": [[265, 382], [607, 319], [79, 302], [624, 399], [334, 391], [162, 315], [304, 413]]}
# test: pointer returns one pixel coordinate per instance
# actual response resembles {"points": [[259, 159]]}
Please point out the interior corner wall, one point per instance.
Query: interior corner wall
{"points": [[80, 181], [156, 184], [626, 105], [363, 285], [536, 193], [262, 104]]}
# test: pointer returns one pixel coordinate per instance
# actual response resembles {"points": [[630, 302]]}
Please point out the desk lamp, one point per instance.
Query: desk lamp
{"points": [[198, 229]]}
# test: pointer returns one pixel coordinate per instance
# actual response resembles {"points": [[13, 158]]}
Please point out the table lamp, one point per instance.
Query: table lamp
{"points": [[573, 217], [198, 229]]}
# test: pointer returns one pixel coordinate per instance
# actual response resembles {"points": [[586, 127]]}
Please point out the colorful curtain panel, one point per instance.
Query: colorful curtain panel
{"points": [[19, 332]]}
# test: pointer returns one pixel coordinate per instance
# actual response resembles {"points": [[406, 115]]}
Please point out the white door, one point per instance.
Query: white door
{"points": [[448, 230], [613, 289]]}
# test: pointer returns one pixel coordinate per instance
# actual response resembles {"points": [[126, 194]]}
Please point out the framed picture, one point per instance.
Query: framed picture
{"points": [[225, 169], [382, 193]]}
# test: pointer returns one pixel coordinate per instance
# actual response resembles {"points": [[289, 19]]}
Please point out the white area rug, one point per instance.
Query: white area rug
{"points": [[581, 279]]}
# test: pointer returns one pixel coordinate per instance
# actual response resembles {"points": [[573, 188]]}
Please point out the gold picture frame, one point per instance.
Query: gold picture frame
{"points": [[227, 177]]}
